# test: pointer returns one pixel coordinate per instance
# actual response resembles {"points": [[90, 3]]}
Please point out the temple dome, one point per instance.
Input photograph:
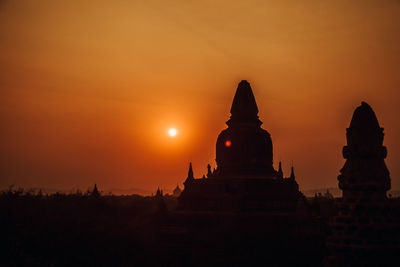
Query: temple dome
{"points": [[364, 135], [364, 117]]}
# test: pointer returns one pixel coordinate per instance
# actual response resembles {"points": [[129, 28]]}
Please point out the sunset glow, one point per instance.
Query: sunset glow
{"points": [[184, 133], [172, 132], [90, 89]]}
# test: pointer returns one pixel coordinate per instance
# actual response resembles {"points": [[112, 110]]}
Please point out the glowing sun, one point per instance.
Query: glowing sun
{"points": [[172, 132]]}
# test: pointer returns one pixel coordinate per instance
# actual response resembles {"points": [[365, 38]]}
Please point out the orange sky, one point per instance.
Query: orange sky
{"points": [[89, 89]]}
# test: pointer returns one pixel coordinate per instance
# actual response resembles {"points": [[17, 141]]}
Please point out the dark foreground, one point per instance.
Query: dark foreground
{"points": [[88, 230]]}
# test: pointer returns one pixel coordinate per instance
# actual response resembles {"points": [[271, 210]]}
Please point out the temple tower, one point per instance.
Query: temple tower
{"points": [[361, 232], [364, 175], [244, 148], [245, 179]]}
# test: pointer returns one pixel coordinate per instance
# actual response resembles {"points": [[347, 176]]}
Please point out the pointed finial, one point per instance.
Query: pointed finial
{"points": [[209, 170], [292, 173], [280, 172], [95, 191], [190, 172]]}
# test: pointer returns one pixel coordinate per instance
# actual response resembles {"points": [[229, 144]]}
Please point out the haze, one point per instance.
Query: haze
{"points": [[89, 90]]}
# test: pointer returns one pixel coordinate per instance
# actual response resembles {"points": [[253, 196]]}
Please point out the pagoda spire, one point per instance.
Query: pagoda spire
{"points": [[190, 172], [244, 107], [364, 117], [280, 172], [190, 177], [292, 176], [95, 192], [158, 193]]}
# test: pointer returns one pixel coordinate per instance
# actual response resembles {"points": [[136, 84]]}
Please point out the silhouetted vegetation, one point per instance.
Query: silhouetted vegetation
{"points": [[79, 228], [90, 229]]}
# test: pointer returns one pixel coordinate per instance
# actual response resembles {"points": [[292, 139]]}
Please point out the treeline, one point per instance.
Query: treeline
{"points": [[77, 228], [89, 228]]}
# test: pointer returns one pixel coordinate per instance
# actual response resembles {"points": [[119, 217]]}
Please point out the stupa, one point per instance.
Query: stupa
{"points": [[244, 178]]}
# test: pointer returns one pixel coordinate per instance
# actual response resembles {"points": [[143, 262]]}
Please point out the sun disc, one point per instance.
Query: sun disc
{"points": [[172, 132]]}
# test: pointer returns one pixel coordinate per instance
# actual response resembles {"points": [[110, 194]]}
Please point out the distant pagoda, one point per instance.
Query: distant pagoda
{"points": [[364, 175], [245, 178], [362, 233]]}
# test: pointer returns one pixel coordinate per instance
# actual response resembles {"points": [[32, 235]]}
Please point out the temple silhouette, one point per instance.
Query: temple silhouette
{"points": [[245, 178], [244, 212], [365, 232], [244, 206]]}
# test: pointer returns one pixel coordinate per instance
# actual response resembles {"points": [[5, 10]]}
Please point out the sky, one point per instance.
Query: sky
{"points": [[89, 89]]}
